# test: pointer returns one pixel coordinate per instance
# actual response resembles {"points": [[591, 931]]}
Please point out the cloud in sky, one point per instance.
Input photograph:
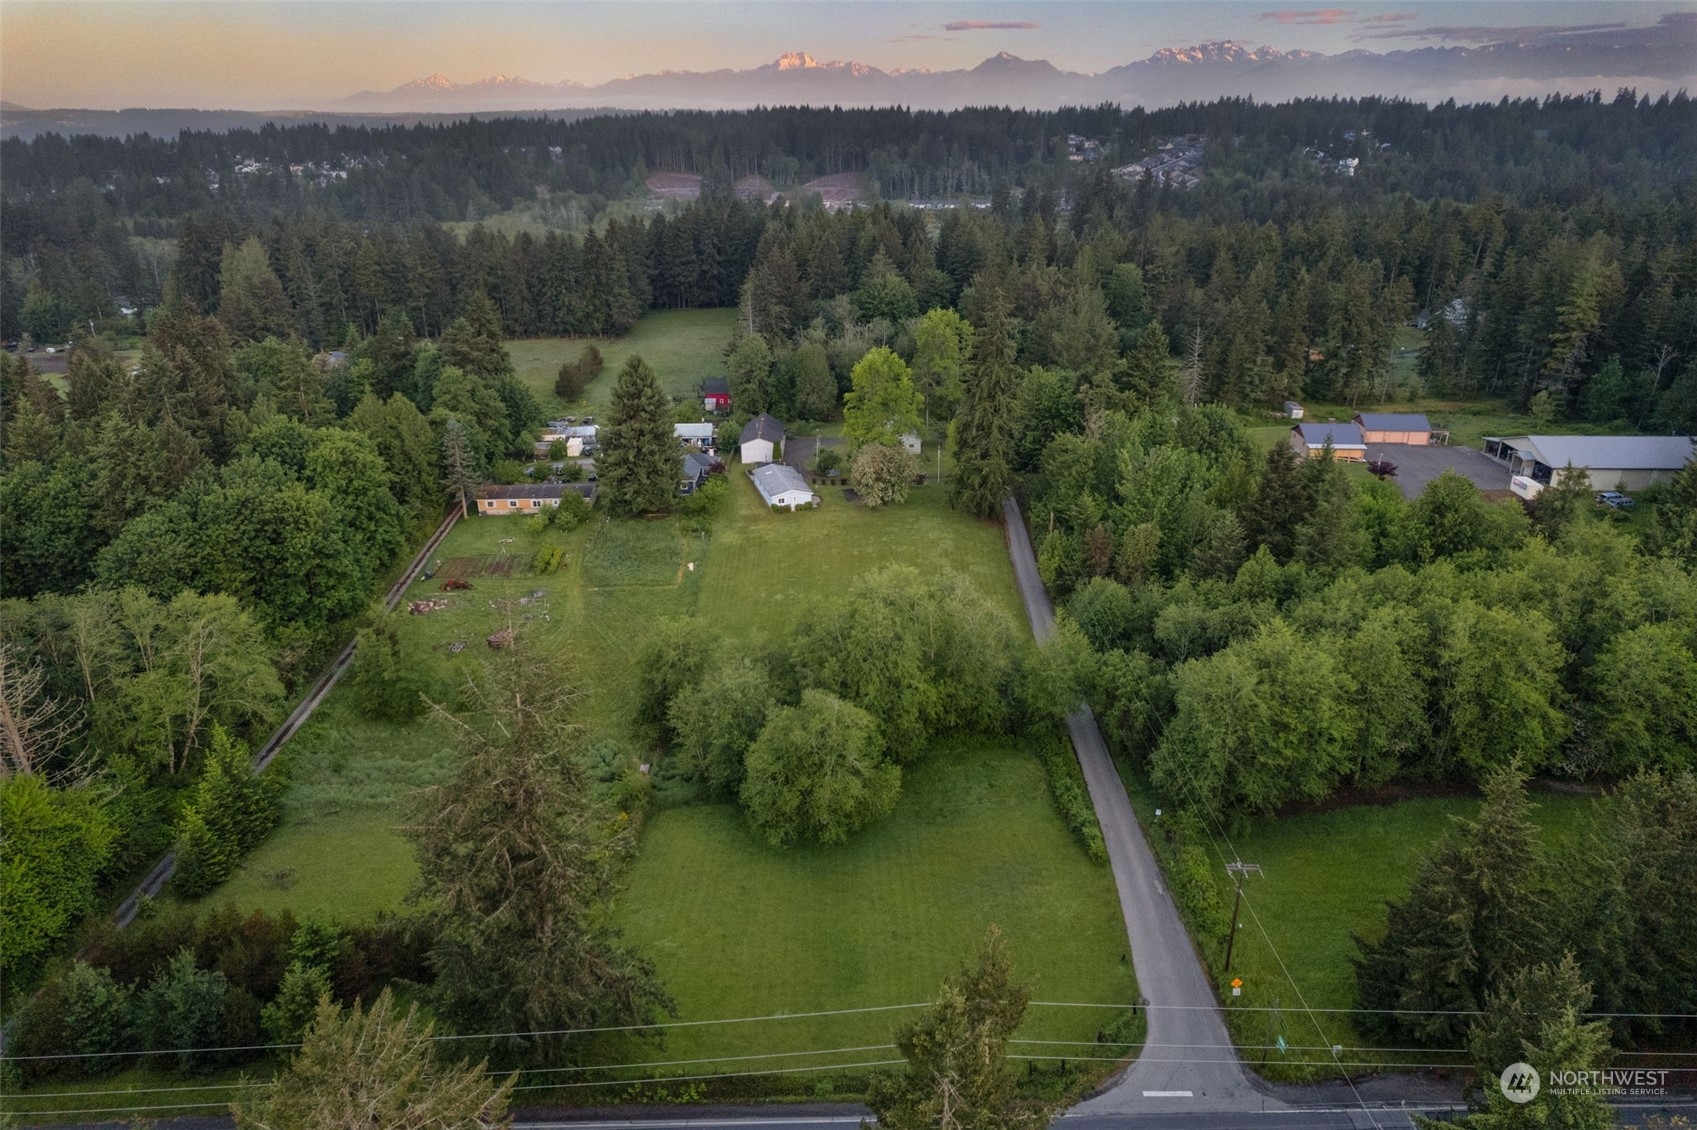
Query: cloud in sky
{"points": [[991, 25], [1312, 16], [1471, 33], [1391, 18]]}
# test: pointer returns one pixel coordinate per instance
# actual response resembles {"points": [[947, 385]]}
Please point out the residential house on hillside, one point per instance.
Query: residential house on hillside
{"points": [[528, 498], [696, 468], [716, 394], [1310, 439], [1394, 427], [1612, 462], [782, 485], [911, 442], [761, 437]]}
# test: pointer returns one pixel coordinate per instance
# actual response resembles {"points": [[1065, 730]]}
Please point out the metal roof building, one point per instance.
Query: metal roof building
{"points": [[1611, 462]]}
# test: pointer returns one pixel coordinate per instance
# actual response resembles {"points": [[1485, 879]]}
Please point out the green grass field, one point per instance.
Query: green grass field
{"points": [[682, 346], [738, 928], [1326, 877]]}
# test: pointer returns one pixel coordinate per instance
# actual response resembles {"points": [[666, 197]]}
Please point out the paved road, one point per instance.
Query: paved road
{"points": [[1188, 1063]]}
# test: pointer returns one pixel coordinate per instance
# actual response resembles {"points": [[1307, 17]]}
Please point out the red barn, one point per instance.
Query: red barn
{"points": [[716, 394]]}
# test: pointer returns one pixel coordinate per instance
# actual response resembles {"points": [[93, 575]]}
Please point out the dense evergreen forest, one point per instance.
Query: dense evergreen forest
{"points": [[186, 536]]}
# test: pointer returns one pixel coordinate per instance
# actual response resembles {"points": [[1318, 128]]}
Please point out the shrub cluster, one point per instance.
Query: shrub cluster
{"points": [[1072, 799], [574, 376], [177, 980]]}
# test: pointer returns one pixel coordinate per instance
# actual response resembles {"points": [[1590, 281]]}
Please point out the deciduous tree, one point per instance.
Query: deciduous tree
{"points": [[817, 774]]}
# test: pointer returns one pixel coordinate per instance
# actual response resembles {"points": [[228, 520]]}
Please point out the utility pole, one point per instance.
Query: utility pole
{"points": [[1237, 871]]}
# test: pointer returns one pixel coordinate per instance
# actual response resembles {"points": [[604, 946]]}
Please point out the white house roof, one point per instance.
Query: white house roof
{"points": [[1612, 453], [692, 431], [773, 479]]}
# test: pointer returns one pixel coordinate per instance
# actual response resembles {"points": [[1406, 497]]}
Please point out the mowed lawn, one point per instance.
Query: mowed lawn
{"points": [[738, 928], [681, 346], [767, 568], [1326, 877]]}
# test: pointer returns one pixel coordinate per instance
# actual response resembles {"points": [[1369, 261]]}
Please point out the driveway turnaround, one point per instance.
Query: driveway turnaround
{"points": [[1188, 1063]]}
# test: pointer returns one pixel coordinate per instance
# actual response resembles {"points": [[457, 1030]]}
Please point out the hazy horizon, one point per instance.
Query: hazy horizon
{"points": [[311, 55]]}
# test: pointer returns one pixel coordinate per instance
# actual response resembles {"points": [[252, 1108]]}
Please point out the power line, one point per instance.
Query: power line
{"points": [[1238, 867]]}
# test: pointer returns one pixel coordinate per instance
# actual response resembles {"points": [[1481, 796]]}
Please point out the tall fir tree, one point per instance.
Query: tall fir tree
{"points": [[984, 431], [458, 474], [638, 458], [958, 1076], [1474, 914]]}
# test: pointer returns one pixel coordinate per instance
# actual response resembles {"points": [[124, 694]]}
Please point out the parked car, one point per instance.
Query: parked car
{"points": [[1615, 500]]}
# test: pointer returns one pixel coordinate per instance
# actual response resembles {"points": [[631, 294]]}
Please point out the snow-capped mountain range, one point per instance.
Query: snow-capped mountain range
{"points": [[1668, 57]]}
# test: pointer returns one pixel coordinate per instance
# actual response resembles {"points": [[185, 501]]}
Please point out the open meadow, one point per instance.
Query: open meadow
{"points": [[681, 346], [1326, 877]]}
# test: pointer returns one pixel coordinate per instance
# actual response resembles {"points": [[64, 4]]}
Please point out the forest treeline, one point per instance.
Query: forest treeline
{"points": [[1551, 236]]}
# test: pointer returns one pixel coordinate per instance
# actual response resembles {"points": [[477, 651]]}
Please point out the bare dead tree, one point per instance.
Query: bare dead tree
{"points": [[34, 726], [1190, 381]]}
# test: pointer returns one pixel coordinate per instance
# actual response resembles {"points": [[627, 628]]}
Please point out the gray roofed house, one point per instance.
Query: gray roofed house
{"points": [[528, 498], [760, 439], [762, 426], [1311, 439], [1395, 427], [782, 485], [1393, 421], [696, 468]]}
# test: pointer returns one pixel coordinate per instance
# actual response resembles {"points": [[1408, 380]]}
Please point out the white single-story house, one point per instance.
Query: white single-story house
{"points": [[1612, 462], [1395, 427], [782, 485], [911, 442], [1311, 439], [696, 468], [698, 435], [528, 498], [760, 439]]}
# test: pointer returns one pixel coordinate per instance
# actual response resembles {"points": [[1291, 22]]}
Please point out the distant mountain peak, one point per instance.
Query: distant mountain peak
{"points": [[1226, 51], [1005, 62], [796, 61]]}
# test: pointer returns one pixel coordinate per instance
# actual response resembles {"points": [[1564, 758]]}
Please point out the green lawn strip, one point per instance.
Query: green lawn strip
{"points": [[1326, 877], [346, 868], [141, 1092], [738, 928], [681, 346]]}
